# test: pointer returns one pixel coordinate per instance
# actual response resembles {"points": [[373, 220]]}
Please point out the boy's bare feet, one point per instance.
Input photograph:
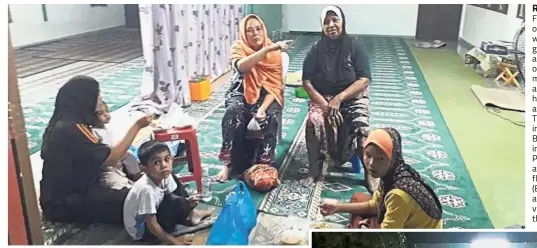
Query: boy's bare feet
{"points": [[183, 240], [197, 215], [223, 175]]}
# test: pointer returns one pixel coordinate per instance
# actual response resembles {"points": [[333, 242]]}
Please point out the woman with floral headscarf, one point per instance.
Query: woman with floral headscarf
{"points": [[256, 92], [336, 77], [403, 200]]}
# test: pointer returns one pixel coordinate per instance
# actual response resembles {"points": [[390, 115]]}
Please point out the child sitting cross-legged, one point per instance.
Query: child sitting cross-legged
{"points": [[126, 171], [158, 202]]}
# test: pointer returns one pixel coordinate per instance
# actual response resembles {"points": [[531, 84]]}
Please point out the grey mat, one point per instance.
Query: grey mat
{"points": [[115, 45], [28, 63], [56, 45], [115, 34], [99, 51], [430, 44], [39, 88]]}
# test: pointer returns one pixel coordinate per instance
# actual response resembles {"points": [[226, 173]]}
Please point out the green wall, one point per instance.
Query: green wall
{"points": [[248, 9], [270, 13]]}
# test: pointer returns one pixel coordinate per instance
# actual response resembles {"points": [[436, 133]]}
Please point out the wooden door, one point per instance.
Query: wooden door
{"points": [[24, 221]]}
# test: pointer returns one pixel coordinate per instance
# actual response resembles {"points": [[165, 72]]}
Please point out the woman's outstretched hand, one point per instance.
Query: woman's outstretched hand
{"points": [[280, 45], [329, 208], [144, 121]]}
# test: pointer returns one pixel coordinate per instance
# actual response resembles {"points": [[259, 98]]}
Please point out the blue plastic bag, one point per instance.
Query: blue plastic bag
{"points": [[236, 220], [134, 151], [356, 164]]}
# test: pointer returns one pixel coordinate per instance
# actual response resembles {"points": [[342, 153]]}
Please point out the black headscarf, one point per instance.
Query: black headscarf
{"points": [[402, 176], [333, 54], [77, 102]]}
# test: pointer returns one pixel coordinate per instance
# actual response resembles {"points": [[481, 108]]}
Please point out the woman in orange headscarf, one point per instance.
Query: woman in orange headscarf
{"points": [[256, 92], [403, 200]]}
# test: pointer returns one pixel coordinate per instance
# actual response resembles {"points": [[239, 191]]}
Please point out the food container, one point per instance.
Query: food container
{"points": [[300, 92], [200, 88]]}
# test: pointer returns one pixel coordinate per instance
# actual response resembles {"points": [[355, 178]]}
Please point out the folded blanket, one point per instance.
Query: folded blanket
{"points": [[147, 106]]}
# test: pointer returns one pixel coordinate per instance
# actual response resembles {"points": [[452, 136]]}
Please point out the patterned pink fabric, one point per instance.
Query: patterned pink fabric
{"points": [[316, 116], [262, 177], [340, 142]]}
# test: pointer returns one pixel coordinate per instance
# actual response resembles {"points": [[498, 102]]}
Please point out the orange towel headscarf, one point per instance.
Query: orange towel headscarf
{"points": [[382, 139], [266, 74], [401, 175]]}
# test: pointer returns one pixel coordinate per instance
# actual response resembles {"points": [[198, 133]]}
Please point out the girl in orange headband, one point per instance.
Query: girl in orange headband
{"points": [[403, 199]]}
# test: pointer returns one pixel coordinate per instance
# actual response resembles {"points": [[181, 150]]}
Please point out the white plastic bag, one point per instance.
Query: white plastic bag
{"points": [[254, 130], [175, 117]]}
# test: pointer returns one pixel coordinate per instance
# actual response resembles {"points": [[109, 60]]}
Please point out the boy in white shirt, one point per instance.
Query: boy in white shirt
{"points": [[158, 201]]}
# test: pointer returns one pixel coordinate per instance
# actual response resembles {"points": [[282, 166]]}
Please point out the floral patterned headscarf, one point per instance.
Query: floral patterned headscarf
{"points": [[402, 176]]}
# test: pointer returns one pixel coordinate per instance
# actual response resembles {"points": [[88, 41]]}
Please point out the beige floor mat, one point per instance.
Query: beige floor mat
{"points": [[500, 98]]}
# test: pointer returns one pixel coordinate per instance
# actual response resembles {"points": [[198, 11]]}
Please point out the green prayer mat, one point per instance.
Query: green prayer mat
{"points": [[400, 98]]}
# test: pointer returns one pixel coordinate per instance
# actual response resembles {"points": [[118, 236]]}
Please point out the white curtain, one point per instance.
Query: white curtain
{"points": [[181, 41]]}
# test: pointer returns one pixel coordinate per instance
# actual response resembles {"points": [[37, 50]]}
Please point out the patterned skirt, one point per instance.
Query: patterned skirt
{"points": [[342, 142]]}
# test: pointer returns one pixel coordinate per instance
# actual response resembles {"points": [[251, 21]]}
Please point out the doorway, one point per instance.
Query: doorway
{"points": [[132, 16], [439, 22]]}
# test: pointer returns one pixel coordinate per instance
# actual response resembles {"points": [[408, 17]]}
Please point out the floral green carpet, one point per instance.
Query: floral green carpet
{"points": [[400, 98]]}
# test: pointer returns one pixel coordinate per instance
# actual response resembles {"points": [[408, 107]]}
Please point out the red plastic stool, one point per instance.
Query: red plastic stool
{"points": [[188, 134]]}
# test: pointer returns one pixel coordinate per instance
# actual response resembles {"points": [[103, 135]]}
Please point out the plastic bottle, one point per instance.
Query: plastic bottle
{"points": [[206, 182]]}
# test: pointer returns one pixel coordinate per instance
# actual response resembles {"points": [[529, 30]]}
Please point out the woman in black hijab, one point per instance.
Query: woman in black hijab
{"points": [[336, 76], [74, 159]]}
